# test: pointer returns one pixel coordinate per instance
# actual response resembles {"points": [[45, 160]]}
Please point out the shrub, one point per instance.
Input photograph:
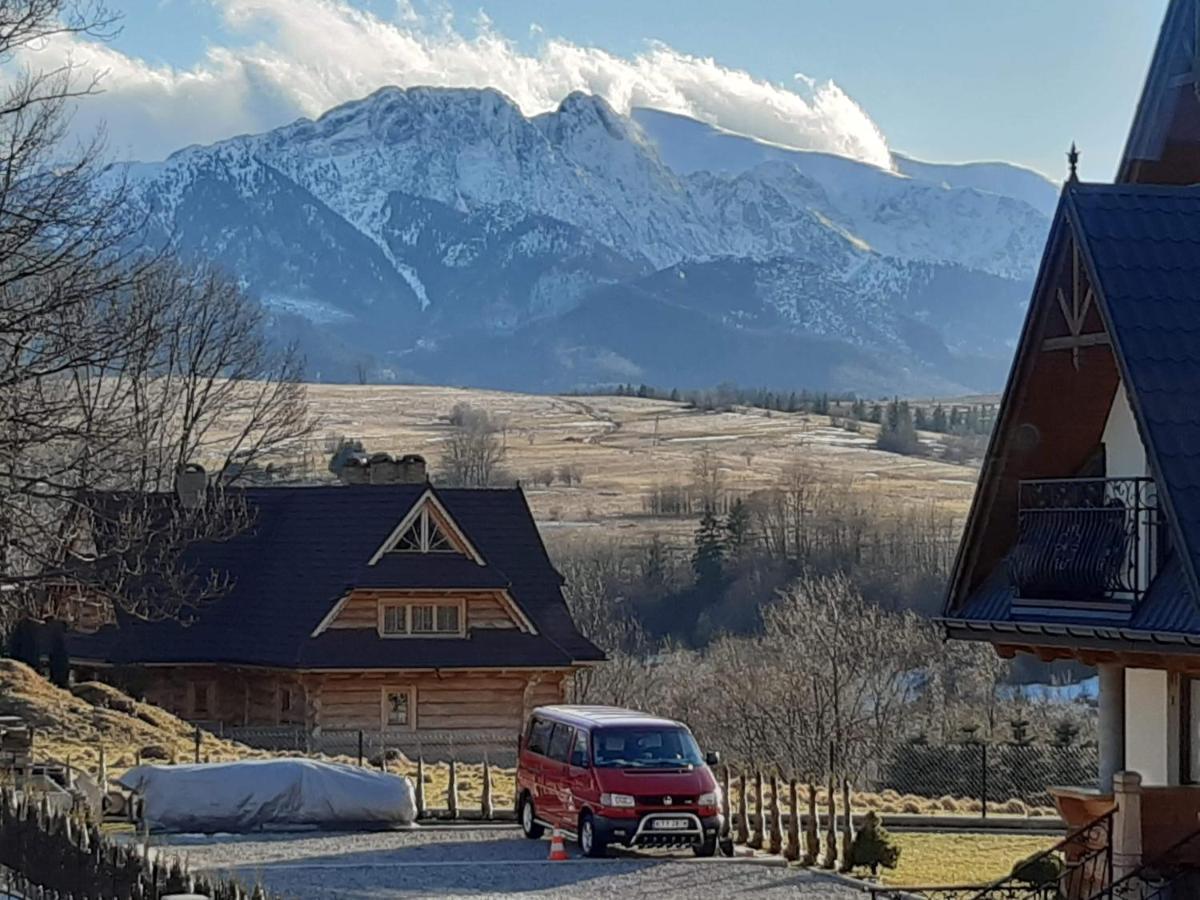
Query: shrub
{"points": [[1014, 807], [1038, 871], [873, 846]]}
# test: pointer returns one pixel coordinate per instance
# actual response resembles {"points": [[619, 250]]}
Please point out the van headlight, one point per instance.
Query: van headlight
{"points": [[617, 800], [712, 798]]}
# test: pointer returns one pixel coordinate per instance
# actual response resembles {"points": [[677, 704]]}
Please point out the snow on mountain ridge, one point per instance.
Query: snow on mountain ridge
{"points": [[483, 218]]}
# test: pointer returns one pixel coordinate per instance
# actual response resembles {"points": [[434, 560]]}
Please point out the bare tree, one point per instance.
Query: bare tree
{"points": [[117, 367], [474, 452]]}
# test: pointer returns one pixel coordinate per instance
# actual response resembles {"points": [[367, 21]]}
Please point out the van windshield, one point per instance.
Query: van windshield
{"points": [[651, 746]]}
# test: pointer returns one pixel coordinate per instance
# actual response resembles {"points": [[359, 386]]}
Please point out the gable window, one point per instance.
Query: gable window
{"points": [[421, 618], [425, 535], [399, 707]]}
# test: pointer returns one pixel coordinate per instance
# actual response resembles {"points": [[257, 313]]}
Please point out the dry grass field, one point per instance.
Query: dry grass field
{"points": [[626, 447]]}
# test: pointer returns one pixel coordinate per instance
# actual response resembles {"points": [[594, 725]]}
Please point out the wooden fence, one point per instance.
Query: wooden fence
{"points": [[49, 856]]}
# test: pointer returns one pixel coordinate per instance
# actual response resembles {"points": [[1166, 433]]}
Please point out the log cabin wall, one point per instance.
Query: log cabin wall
{"points": [[449, 701], [229, 696], [350, 701]]}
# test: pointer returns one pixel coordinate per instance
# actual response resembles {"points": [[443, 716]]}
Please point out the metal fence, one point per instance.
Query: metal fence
{"points": [[999, 777], [498, 746]]}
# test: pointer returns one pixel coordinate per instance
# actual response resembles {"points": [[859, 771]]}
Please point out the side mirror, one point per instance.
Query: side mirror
{"points": [[579, 759], [712, 758]]}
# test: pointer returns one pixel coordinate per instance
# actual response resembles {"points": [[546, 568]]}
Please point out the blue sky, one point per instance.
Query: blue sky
{"points": [[945, 80]]}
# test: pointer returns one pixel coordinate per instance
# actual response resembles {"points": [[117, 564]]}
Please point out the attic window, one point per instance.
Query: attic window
{"points": [[425, 535]]}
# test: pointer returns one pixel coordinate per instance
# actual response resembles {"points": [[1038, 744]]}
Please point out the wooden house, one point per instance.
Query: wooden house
{"points": [[423, 617], [1084, 538]]}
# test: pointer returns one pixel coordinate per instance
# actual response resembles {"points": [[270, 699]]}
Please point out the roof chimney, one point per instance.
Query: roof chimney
{"points": [[412, 469], [191, 481]]}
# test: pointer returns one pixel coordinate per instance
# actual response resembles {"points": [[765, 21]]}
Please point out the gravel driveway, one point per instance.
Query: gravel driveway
{"points": [[492, 862]]}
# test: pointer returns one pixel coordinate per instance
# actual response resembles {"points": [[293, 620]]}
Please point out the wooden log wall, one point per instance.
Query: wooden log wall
{"points": [[450, 701]]}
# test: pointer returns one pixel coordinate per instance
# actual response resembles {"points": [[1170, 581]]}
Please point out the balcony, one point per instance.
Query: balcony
{"points": [[1091, 541]]}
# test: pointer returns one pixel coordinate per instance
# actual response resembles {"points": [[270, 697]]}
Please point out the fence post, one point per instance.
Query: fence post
{"points": [[847, 828], [742, 834], [452, 790], [791, 850], [830, 859], [775, 839], [196, 738], [485, 801], [420, 786], [758, 823], [983, 781], [360, 748]]}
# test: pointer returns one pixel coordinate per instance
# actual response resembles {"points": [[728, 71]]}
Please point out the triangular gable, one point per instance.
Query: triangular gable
{"points": [[427, 527], [1139, 250], [1163, 146]]}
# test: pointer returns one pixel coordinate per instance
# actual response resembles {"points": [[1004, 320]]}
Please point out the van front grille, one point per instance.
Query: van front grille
{"points": [[661, 800]]}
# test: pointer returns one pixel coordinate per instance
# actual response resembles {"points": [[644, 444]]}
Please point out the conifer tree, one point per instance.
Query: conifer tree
{"points": [[737, 529], [708, 559], [873, 846]]}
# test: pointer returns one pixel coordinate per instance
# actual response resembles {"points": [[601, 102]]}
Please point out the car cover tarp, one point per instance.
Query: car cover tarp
{"points": [[245, 796]]}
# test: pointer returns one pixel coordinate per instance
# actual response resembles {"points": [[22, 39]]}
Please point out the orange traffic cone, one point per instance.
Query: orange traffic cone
{"points": [[557, 850]]}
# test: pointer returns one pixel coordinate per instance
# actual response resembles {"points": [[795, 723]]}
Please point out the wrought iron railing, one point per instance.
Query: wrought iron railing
{"points": [[1076, 867], [1079, 539], [1169, 876]]}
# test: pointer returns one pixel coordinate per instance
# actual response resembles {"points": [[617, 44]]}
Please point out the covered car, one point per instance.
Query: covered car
{"points": [[274, 793]]}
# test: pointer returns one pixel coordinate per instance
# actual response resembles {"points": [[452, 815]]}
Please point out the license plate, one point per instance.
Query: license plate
{"points": [[670, 824]]}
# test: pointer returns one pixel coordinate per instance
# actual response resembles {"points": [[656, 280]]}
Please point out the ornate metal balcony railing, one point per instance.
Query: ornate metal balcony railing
{"points": [[1085, 539]]}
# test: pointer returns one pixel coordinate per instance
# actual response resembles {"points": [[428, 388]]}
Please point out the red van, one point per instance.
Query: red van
{"points": [[614, 776]]}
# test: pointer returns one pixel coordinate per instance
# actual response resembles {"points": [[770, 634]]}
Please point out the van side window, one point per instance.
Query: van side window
{"points": [[539, 736], [561, 742], [579, 754]]}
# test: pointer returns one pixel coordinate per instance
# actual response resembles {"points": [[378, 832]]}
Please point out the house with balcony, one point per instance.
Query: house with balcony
{"points": [[425, 619], [1083, 541]]}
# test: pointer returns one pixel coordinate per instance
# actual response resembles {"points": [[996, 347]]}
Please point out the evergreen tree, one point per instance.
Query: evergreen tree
{"points": [[938, 421], [873, 846], [920, 419], [708, 559], [876, 413], [674, 395], [59, 659], [23, 644], [737, 529], [898, 434], [654, 565]]}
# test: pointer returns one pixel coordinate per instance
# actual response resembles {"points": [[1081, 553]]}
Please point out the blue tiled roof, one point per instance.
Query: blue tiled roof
{"points": [[308, 546], [1143, 244]]}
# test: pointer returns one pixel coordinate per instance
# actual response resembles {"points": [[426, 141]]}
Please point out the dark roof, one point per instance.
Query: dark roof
{"points": [[1166, 616], [1142, 244], [1141, 247], [309, 546], [1171, 73]]}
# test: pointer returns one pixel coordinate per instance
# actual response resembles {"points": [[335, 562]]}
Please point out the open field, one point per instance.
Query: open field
{"points": [[625, 447]]}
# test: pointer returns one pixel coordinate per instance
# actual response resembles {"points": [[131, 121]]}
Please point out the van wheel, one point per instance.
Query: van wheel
{"points": [[529, 826], [707, 847], [589, 841]]}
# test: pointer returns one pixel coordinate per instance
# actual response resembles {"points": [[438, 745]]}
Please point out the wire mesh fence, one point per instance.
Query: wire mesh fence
{"points": [[999, 777]]}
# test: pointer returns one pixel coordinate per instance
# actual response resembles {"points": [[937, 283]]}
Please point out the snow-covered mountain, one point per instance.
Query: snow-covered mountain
{"points": [[440, 234]]}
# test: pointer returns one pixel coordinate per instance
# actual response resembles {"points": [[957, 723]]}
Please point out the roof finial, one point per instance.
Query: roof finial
{"points": [[1073, 163]]}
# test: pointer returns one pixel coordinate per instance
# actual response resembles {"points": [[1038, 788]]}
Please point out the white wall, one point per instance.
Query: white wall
{"points": [[1152, 709], [1125, 456]]}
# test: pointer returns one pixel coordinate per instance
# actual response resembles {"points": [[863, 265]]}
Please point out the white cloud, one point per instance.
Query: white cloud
{"points": [[302, 57]]}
